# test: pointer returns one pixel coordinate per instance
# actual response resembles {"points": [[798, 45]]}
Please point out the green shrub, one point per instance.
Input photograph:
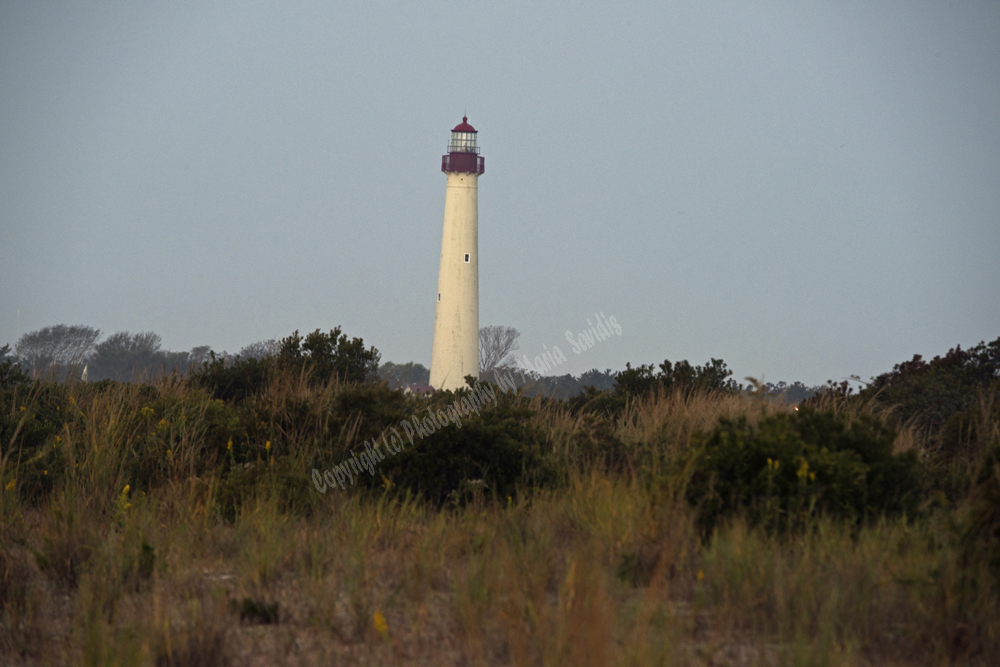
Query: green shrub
{"points": [[929, 393], [330, 355], [789, 467], [680, 376], [32, 415], [234, 381], [321, 356], [494, 453], [633, 383]]}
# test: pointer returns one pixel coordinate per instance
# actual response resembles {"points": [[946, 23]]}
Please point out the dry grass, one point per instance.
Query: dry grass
{"points": [[608, 570]]}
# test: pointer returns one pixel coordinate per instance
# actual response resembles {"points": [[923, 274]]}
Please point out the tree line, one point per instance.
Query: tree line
{"points": [[63, 351], [76, 351]]}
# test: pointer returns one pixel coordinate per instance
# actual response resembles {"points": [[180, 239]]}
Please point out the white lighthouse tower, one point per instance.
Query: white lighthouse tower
{"points": [[456, 319]]}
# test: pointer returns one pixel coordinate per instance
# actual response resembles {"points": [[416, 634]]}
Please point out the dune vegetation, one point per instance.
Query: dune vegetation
{"points": [[176, 522]]}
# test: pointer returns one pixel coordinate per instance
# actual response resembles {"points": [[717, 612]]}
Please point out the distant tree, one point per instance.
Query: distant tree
{"points": [[790, 393], [496, 348], [198, 356], [125, 356], [53, 350], [713, 376], [400, 375], [329, 355], [601, 381], [260, 349], [5, 353]]}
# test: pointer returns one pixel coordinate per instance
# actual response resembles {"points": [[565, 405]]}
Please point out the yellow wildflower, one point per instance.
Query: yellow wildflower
{"points": [[701, 574], [123, 503], [23, 408], [58, 439], [267, 445], [381, 625], [10, 484], [45, 472], [229, 445]]}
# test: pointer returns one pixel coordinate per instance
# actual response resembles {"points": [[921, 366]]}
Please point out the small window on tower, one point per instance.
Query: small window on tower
{"points": [[439, 297], [466, 258]]}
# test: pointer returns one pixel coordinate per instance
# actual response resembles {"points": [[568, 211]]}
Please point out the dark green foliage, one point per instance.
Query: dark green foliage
{"points": [[641, 381], [930, 393], [567, 386], [499, 447], [322, 357], [682, 376], [11, 373], [599, 402], [595, 443], [326, 356], [32, 414], [788, 467], [234, 380]]}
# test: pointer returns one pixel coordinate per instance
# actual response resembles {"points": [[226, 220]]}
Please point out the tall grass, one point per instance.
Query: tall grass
{"points": [[186, 566]]}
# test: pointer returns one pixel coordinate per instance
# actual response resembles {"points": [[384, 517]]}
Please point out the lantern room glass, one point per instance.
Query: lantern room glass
{"points": [[463, 142]]}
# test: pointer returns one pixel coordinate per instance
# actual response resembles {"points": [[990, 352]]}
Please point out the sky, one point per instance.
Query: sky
{"points": [[806, 190]]}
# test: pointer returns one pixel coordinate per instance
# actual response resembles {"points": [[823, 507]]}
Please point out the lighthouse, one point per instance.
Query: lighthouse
{"points": [[456, 317]]}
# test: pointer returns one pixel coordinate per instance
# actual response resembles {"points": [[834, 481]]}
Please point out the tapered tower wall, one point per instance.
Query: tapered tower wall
{"points": [[456, 321]]}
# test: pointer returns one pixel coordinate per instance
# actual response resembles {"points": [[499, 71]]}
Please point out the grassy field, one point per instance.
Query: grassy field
{"points": [[155, 524]]}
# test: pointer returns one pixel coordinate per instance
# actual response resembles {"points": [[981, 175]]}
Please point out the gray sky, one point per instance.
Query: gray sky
{"points": [[806, 190]]}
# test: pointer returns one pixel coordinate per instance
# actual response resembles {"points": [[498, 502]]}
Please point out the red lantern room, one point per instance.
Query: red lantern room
{"points": [[463, 153]]}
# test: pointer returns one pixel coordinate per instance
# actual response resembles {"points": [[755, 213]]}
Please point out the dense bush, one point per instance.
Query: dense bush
{"points": [[495, 453], [326, 356], [32, 414], [321, 357], [929, 393], [234, 380], [641, 381], [682, 376], [791, 466]]}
